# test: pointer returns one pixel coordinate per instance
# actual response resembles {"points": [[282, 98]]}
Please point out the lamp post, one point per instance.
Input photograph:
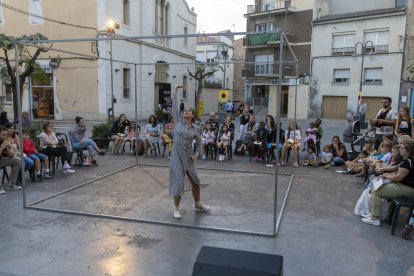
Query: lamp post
{"points": [[362, 54], [110, 29], [225, 53]]}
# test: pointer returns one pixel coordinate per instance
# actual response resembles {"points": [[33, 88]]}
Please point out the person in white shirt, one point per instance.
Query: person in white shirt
{"points": [[292, 141]]}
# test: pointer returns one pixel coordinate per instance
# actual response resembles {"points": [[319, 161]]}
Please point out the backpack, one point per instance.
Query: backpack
{"points": [[140, 146], [238, 145]]}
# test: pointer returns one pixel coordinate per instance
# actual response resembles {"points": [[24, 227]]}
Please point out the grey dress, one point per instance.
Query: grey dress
{"points": [[181, 162]]}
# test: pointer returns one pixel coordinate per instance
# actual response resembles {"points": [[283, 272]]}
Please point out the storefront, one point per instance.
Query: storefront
{"points": [[42, 97]]}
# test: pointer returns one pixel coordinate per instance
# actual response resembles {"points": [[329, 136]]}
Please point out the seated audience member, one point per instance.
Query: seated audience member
{"points": [[131, 136], [223, 141], [310, 157], [338, 152], [117, 133], [292, 141], [310, 136], [168, 135], [151, 133], [259, 145], [381, 160], [401, 183], [50, 146], [249, 134], [356, 165], [15, 145], [272, 141], [207, 139], [79, 140], [4, 121], [326, 157], [29, 148], [8, 159]]}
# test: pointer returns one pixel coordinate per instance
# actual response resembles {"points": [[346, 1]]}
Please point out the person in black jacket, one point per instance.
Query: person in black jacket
{"points": [[117, 132]]}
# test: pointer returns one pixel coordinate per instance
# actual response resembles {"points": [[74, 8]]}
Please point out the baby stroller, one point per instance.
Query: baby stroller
{"points": [[352, 135], [406, 232]]}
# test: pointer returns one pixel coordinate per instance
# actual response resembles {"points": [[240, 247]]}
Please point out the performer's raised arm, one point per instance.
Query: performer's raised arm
{"points": [[175, 108]]}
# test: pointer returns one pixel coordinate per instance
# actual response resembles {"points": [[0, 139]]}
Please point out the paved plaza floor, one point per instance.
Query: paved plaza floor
{"points": [[318, 235]]}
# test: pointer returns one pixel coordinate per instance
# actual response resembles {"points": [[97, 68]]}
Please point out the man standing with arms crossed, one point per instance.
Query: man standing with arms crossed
{"points": [[384, 121]]}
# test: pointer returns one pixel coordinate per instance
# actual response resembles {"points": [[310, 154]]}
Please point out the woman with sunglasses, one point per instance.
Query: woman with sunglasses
{"points": [[183, 157]]}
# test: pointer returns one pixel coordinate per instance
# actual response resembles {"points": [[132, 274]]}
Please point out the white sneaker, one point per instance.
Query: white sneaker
{"points": [[67, 166], [177, 213], [204, 157], [12, 186], [68, 171], [370, 221], [2, 191], [201, 207]]}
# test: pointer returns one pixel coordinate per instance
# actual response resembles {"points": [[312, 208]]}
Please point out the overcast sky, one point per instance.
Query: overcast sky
{"points": [[218, 15]]}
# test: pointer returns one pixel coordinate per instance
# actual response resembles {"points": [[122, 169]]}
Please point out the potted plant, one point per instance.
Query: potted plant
{"points": [[100, 135]]}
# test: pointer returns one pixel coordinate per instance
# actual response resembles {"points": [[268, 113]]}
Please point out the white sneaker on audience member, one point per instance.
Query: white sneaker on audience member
{"points": [[67, 169], [2, 191], [369, 220], [12, 186], [177, 213]]}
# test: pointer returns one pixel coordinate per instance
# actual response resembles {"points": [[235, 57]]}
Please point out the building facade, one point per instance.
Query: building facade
{"points": [[210, 52], [84, 84], [357, 51], [262, 54]]}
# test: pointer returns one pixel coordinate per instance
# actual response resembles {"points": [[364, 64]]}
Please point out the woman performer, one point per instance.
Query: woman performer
{"points": [[183, 157]]}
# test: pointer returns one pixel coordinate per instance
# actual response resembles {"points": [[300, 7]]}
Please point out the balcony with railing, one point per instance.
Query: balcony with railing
{"points": [[261, 40], [348, 51], [276, 5]]}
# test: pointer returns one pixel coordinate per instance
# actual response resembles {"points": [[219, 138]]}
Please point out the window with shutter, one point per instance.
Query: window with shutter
{"points": [[263, 65], [373, 75], [343, 44], [36, 10], [341, 76]]}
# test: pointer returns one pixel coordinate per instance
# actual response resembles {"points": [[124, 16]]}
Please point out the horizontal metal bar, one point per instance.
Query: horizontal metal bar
{"points": [[80, 185], [215, 169], [156, 222], [115, 37]]}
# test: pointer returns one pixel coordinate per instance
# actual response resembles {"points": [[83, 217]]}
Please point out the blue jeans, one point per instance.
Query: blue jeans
{"points": [[362, 120], [89, 144], [28, 163], [338, 161]]}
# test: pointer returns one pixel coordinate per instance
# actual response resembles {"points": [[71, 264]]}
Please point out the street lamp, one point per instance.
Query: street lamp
{"points": [[110, 27], [225, 53], [362, 54]]}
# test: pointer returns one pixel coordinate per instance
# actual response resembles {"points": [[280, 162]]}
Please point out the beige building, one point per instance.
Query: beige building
{"points": [[81, 85]]}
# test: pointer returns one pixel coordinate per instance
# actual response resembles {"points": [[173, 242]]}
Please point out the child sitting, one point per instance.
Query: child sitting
{"points": [[168, 135], [326, 157], [381, 160], [131, 136], [224, 140], [207, 138], [310, 135], [258, 146], [355, 166], [29, 149], [310, 157]]}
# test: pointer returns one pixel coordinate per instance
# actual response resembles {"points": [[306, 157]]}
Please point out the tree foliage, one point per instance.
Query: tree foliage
{"points": [[27, 62], [201, 72]]}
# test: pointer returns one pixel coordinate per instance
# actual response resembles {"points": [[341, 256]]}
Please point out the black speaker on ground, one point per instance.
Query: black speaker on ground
{"points": [[213, 261]]}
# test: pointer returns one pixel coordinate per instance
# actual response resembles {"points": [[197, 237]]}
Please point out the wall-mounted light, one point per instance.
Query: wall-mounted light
{"points": [[149, 73], [117, 70], [174, 77]]}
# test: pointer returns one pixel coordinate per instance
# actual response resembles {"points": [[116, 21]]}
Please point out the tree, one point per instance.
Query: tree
{"points": [[27, 61], [201, 71]]}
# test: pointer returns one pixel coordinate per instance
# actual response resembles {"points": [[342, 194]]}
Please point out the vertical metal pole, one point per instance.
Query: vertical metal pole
{"points": [[279, 101], [19, 112], [362, 75], [136, 110], [112, 80], [225, 65]]}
